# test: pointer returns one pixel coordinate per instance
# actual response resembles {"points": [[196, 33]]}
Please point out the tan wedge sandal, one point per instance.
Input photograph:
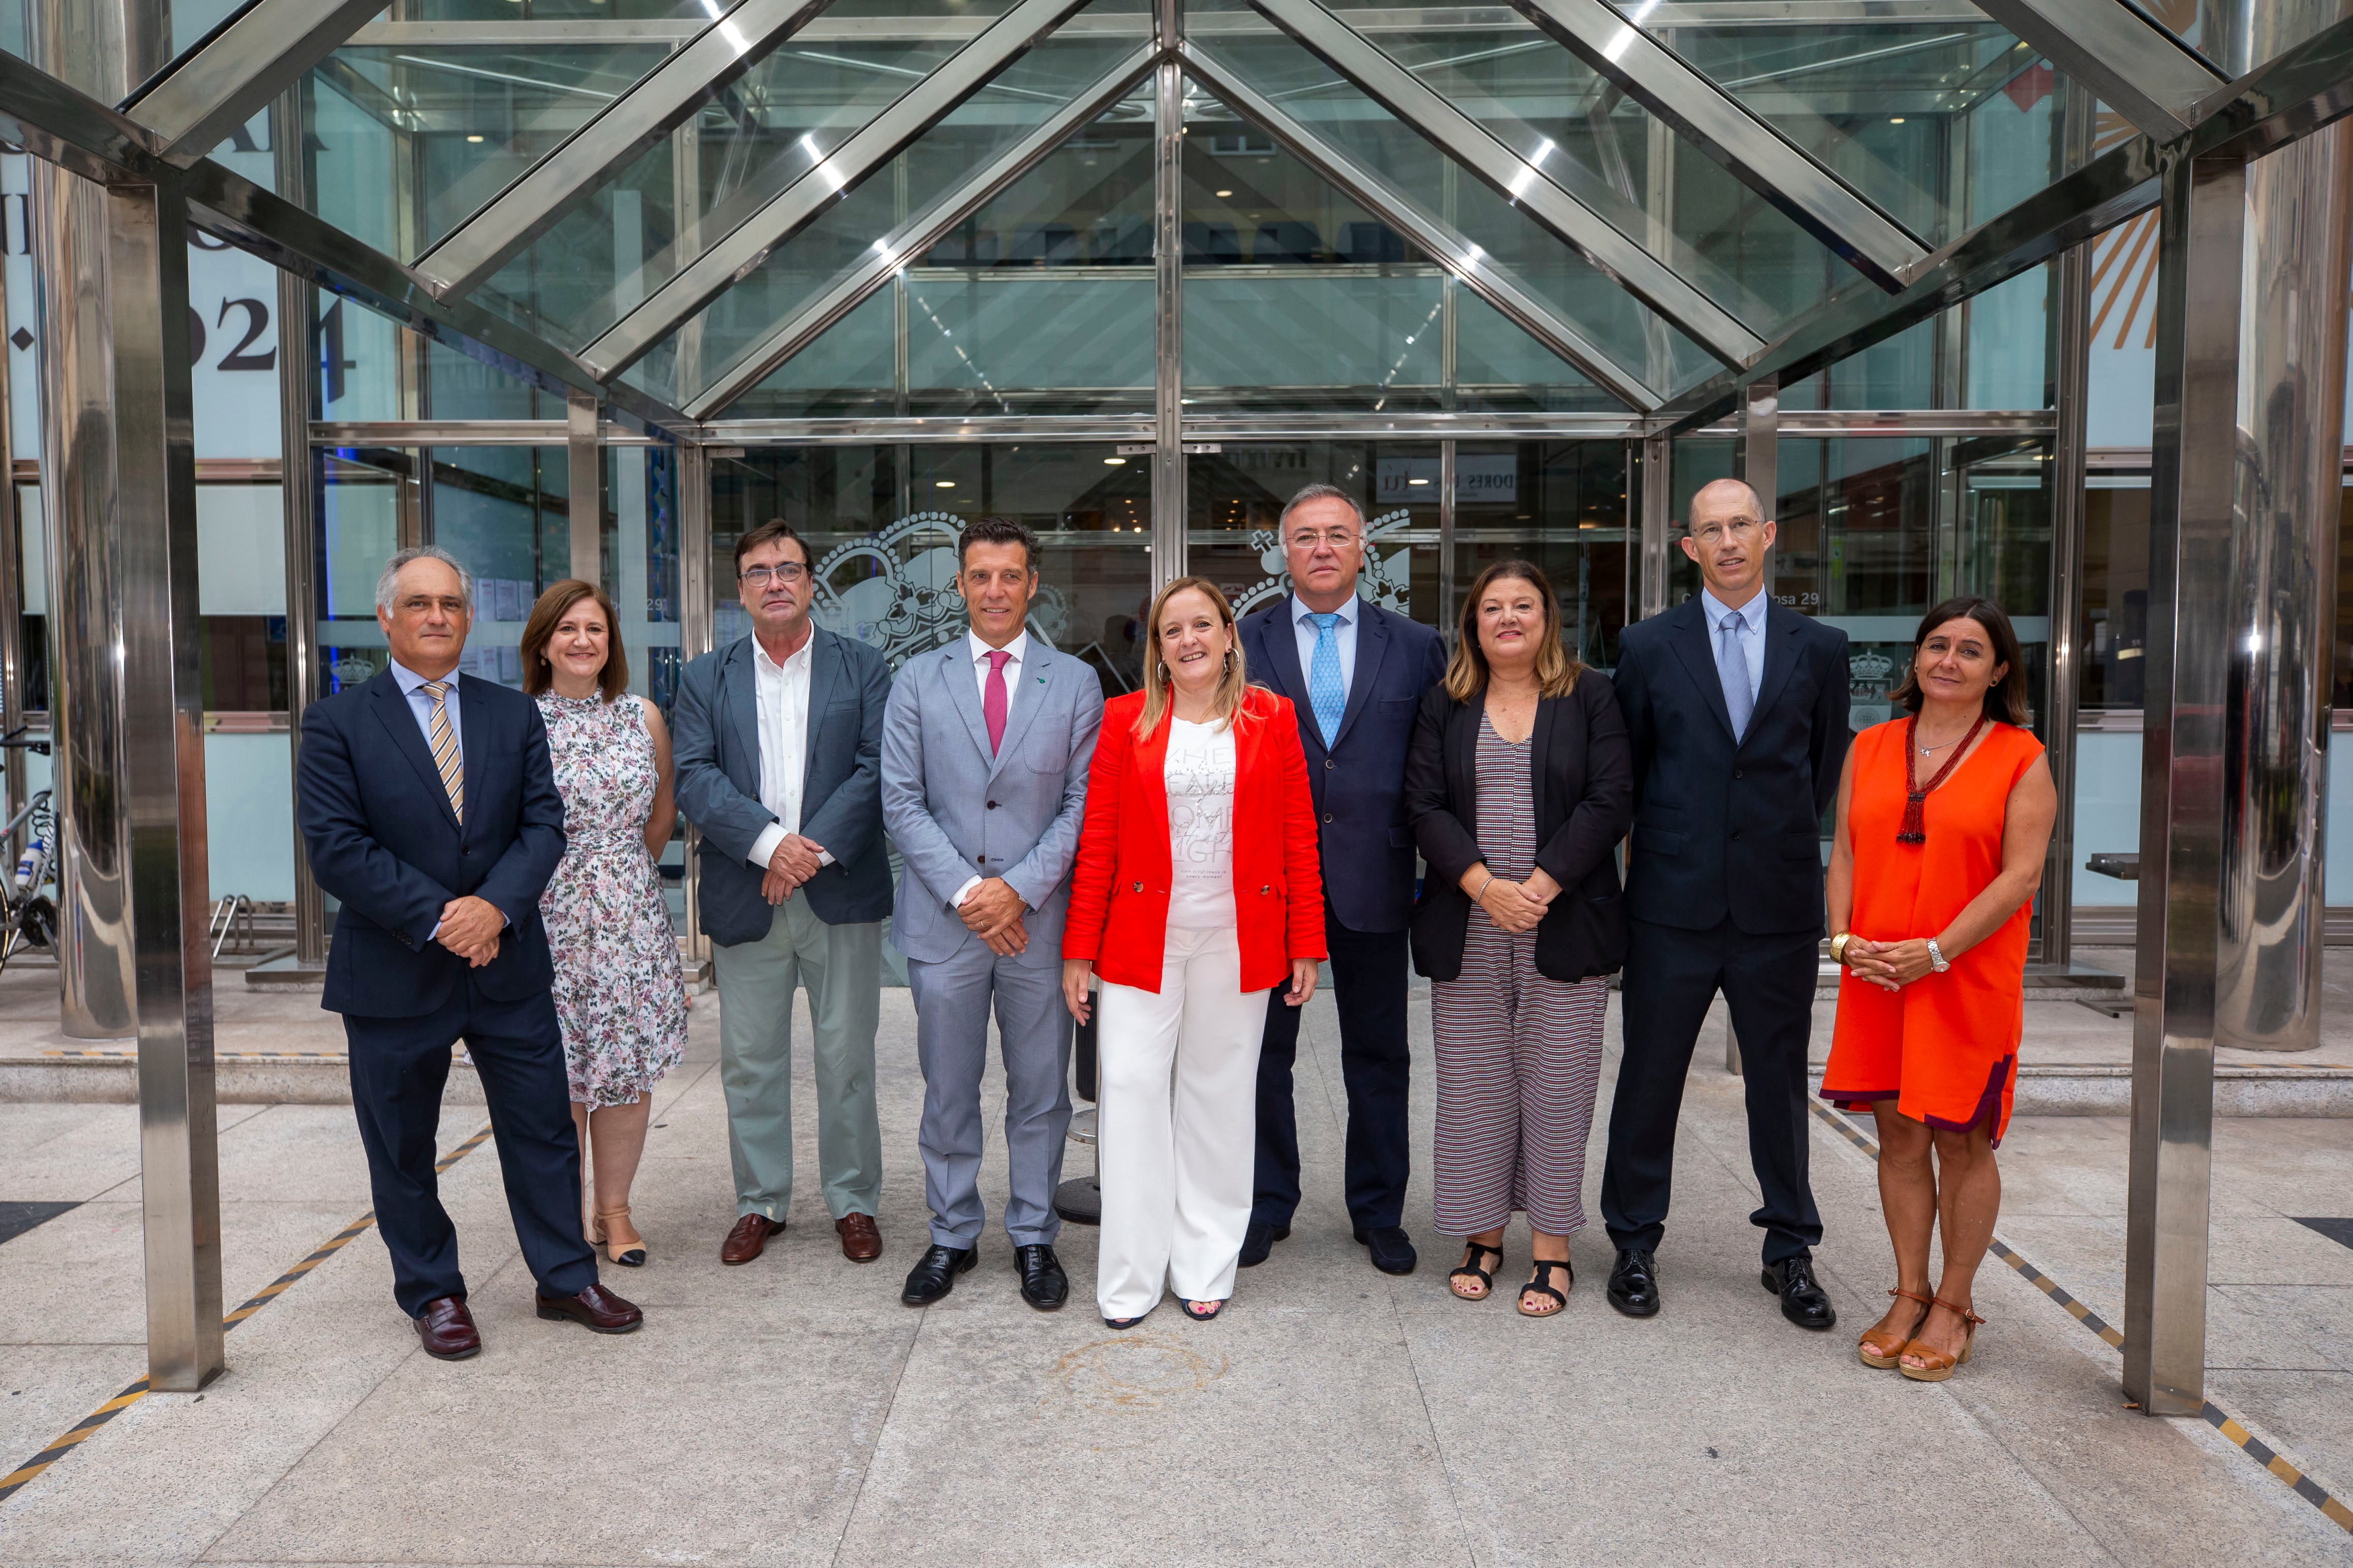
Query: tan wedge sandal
{"points": [[631, 1257], [1886, 1351], [1939, 1365]]}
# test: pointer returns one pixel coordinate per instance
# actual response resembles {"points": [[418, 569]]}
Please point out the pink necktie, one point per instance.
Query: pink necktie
{"points": [[992, 700]]}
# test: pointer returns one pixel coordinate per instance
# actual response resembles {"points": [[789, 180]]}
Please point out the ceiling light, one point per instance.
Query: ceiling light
{"points": [[1222, 194], [473, 139], [1116, 462], [1895, 120], [946, 484]]}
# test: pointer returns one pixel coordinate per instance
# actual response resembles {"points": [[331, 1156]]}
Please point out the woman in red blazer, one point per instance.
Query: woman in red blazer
{"points": [[1196, 891]]}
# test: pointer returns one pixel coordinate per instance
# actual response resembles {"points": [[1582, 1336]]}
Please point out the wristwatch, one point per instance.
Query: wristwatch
{"points": [[1937, 957], [1838, 946]]}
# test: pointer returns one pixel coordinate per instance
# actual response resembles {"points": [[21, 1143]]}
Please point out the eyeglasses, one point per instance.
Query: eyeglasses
{"points": [[1738, 528], [425, 605], [759, 576], [1337, 538]]}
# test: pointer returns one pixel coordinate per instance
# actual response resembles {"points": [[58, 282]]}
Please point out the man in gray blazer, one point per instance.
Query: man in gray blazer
{"points": [[778, 752], [985, 754]]}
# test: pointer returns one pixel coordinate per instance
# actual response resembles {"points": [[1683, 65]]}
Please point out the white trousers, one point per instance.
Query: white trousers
{"points": [[1178, 1097]]}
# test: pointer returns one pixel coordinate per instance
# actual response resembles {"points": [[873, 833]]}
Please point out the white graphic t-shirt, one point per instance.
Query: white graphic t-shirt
{"points": [[1200, 780]]}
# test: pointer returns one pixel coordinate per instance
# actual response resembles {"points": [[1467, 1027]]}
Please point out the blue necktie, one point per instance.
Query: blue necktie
{"points": [[1323, 688], [1731, 665]]}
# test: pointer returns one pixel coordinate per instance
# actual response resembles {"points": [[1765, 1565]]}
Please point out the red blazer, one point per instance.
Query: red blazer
{"points": [[1119, 886]]}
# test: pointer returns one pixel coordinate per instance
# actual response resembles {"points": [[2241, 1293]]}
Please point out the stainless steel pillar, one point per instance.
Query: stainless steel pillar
{"points": [[695, 634], [105, 48], [12, 792], [2070, 395], [584, 452], [1658, 523], [1757, 458], [1168, 541], [119, 479], [300, 481]]}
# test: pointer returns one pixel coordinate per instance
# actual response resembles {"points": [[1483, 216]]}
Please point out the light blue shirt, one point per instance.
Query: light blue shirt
{"points": [[420, 703], [1751, 634], [1343, 633]]}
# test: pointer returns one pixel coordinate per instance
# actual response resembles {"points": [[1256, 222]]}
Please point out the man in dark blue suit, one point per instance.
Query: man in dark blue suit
{"points": [[1737, 709], [1354, 673], [429, 808]]}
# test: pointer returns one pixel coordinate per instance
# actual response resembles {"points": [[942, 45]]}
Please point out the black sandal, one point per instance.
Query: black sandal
{"points": [[1486, 1281], [1541, 1286], [1215, 1307], [1121, 1322]]}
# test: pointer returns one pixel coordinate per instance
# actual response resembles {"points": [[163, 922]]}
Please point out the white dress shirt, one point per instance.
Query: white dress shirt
{"points": [[1751, 634], [1344, 634], [781, 693], [979, 651]]}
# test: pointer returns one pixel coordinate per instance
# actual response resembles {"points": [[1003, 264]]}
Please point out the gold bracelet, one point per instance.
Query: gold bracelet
{"points": [[1838, 947]]}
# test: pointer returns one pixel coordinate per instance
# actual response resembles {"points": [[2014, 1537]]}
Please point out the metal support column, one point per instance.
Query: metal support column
{"points": [[2070, 396], [695, 632], [1448, 612], [1168, 510], [300, 484], [11, 592], [584, 452], [1658, 523], [1756, 459]]}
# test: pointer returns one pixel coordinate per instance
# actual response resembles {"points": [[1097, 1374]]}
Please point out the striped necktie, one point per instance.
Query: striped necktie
{"points": [[444, 742]]}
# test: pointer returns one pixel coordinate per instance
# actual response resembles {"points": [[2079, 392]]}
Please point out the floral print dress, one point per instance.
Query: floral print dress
{"points": [[619, 992]]}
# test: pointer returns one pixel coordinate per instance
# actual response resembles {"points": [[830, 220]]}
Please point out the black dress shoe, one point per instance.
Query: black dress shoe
{"points": [[1258, 1243], [1392, 1249], [934, 1275], [1043, 1284], [1634, 1284], [1803, 1302]]}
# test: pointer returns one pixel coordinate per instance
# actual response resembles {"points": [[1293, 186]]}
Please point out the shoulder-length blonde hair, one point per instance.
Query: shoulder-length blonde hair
{"points": [[1556, 668], [545, 616], [1231, 685]]}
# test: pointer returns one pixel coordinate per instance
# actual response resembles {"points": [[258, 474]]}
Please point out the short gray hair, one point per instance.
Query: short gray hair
{"points": [[1320, 492], [389, 580]]}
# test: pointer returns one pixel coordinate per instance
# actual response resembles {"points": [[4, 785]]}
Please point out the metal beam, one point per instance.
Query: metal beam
{"points": [[585, 477], [1757, 154], [1171, 540], [1478, 271], [2136, 67], [736, 255], [620, 133], [235, 70], [1615, 254], [911, 240]]}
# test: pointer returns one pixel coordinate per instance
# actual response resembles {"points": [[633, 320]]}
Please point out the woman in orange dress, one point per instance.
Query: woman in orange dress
{"points": [[1943, 819]]}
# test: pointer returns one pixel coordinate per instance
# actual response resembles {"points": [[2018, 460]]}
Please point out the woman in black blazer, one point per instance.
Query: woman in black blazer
{"points": [[1519, 783]]}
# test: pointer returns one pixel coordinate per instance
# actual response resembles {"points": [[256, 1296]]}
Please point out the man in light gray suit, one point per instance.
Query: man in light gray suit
{"points": [[779, 739], [985, 754]]}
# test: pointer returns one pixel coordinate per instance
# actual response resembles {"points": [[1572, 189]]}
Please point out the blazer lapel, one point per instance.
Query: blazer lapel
{"points": [[400, 721], [1697, 651], [1036, 679], [1462, 759], [825, 670], [1548, 711], [964, 690], [1372, 644], [739, 690], [473, 739], [1781, 627], [1281, 644]]}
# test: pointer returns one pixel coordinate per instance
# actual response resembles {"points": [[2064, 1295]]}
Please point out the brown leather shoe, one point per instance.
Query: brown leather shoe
{"points": [[446, 1329], [751, 1233], [595, 1309], [860, 1241]]}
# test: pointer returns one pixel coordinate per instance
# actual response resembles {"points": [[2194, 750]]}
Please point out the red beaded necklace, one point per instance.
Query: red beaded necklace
{"points": [[1916, 826]]}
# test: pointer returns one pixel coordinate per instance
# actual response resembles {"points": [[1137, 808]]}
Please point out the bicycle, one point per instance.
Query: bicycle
{"points": [[28, 913]]}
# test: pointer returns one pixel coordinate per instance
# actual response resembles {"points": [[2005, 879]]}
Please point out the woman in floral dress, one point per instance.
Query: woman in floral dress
{"points": [[619, 993]]}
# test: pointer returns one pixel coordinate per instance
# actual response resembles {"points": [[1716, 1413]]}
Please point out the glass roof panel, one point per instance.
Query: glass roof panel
{"points": [[1412, 168], [1889, 105], [1071, 213]]}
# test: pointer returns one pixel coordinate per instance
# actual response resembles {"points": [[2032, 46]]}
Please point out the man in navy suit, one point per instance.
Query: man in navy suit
{"points": [[1354, 673], [429, 807], [1736, 708]]}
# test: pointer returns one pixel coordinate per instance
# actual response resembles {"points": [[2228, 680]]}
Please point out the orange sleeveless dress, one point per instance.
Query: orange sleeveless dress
{"points": [[1944, 1048]]}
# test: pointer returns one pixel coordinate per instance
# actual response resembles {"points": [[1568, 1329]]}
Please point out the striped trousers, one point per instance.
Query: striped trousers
{"points": [[1519, 1060]]}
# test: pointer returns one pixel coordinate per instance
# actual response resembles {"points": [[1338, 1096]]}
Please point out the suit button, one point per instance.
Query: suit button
{"points": [[1139, 887], [1330, 763], [992, 805], [1327, 816], [983, 859], [1265, 891], [1736, 836], [1736, 774]]}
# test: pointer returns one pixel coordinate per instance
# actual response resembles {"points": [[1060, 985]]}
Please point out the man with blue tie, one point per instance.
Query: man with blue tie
{"points": [[429, 809], [1354, 673], [1737, 710]]}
